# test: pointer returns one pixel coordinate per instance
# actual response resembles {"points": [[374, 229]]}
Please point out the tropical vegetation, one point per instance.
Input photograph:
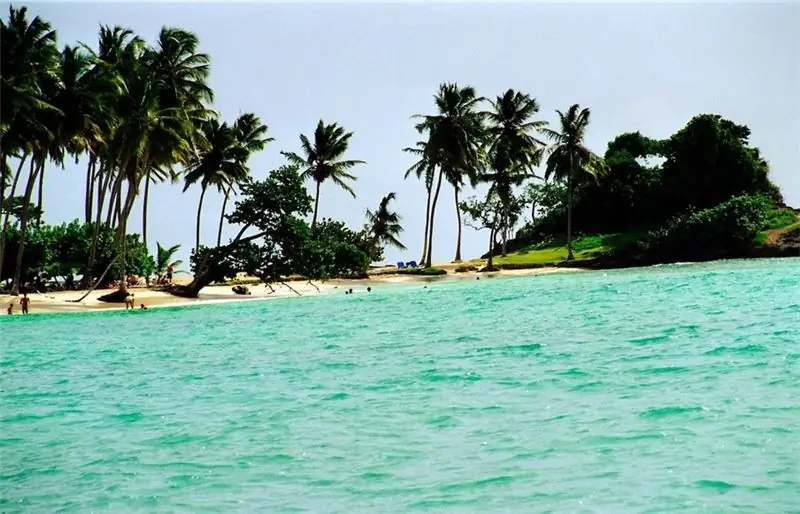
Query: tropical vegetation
{"points": [[141, 115]]}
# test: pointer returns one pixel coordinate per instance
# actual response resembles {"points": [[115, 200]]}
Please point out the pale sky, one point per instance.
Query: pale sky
{"points": [[369, 67]]}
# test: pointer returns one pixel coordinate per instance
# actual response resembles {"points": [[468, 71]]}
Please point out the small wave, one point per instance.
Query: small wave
{"points": [[337, 396], [660, 370], [649, 339], [747, 349], [719, 485], [660, 412]]}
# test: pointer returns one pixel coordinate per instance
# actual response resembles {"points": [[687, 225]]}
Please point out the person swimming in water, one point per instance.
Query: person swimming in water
{"points": [[143, 307]]}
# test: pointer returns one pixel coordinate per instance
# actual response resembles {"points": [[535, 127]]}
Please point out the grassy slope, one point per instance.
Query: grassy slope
{"points": [[584, 248]]}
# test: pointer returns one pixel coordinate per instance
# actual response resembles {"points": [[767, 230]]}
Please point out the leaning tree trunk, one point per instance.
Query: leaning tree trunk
{"points": [[40, 203], [8, 214], [458, 219], [104, 178], [23, 224], [427, 227], [569, 212], [316, 207], [144, 208], [433, 218], [197, 229], [490, 261], [90, 178], [222, 216]]}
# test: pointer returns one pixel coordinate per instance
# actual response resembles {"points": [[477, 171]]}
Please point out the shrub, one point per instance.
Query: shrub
{"points": [[466, 268], [422, 271], [727, 228], [778, 218]]}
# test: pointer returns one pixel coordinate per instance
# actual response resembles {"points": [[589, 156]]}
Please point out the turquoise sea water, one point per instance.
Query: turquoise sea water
{"points": [[671, 389]]}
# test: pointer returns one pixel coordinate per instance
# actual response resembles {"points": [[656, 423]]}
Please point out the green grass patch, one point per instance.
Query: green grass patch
{"points": [[466, 268], [761, 238], [779, 218], [426, 272], [555, 252]]}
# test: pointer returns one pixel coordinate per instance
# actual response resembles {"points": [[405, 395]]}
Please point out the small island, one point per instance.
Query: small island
{"points": [[141, 116]]}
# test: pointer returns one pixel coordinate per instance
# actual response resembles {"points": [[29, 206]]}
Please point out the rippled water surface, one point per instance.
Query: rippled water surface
{"points": [[672, 389]]}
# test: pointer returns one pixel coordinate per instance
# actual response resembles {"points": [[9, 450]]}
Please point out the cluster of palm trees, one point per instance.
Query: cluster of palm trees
{"points": [[137, 112], [140, 114], [498, 146]]}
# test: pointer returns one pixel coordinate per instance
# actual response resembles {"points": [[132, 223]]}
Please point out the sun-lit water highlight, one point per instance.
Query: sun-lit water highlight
{"points": [[663, 389]]}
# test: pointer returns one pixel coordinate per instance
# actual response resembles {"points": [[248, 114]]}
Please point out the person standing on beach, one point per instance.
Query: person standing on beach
{"points": [[129, 302], [23, 303], [170, 271]]}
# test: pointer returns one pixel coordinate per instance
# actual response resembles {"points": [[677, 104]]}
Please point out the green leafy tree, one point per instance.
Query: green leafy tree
{"points": [[322, 160], [569, 157]]}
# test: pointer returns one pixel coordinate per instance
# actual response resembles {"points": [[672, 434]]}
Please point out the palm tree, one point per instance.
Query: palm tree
{"points": [[181, 74], [323, 159], [165, 258], [220, 164], [29, 80], [384, 225], [569, 157], [251, 136], [455, 134], [513, 151], [427, 168]]}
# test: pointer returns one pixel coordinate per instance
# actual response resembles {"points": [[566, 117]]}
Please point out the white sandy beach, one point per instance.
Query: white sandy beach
{"points": [[65, 301]]}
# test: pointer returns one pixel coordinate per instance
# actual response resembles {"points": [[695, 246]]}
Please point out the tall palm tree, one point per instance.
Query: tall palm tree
{"points": [[384, 225], [251, 135], [220, 164], [181, 74], [323, 161], [426, 168], [569, 157], [29, 62], [513, 151], [455, 134]]}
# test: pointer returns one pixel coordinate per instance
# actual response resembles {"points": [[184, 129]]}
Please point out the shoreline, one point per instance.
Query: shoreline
{"points": [[62, 301]]}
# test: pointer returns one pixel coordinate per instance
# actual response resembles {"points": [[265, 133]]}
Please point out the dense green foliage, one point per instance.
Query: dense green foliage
{"points": [[689, 190], [716, 231], [284, 244], [56, 252]]}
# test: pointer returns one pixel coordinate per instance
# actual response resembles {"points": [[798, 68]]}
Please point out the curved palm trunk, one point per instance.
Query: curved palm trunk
{"points": [[23, 223], [569, 212], [433, 218], [40, 203], [458, 218], [144, 208], [490, 261], [104, 179], [197, 229], [8, 214], [222, 216], [90, 177], [427, 227], [316, 207]]}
